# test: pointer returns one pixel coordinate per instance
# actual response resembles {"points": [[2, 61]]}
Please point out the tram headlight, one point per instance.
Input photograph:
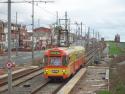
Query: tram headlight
{"points": [[64, 71], [46, 70]]}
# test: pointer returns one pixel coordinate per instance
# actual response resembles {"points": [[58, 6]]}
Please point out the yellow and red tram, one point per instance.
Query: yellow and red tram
{"points": [[63, 62]]}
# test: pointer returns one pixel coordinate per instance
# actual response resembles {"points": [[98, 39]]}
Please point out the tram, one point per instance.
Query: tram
{"points": [[62, 62]]}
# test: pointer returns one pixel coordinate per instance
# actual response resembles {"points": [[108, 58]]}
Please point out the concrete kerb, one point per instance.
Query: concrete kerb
{"points": [[69, 86], [107, 77]]}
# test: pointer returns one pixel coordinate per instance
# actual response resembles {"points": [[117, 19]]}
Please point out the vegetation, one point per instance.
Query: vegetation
{"points": [[103, 92], [116, 48], [117, 80], [117, 69]]}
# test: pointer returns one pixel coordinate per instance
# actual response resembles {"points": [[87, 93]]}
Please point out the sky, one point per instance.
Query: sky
{"points": [[104, 16]]}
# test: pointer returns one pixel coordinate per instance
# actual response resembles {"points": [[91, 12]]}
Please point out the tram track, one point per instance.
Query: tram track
{"points": [[37, 84], [50, 87], [90, 56], [17, 76], [53, 88], [19, 79], [44, 84]]}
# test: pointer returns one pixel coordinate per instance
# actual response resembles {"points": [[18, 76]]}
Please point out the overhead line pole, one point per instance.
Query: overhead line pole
{"points": [[81, 28], [17, 39], [32, 31], [93, 39], [67, 33], [57, 19], [88, 38], [76, 33], [38, 22], [33, 45], [9, 48], [81, 34]]}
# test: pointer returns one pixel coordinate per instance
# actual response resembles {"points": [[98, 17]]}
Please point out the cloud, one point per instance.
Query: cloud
{"points": [[102, 15]]}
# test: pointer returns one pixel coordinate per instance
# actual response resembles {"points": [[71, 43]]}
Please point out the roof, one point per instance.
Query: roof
{"points": [[42, 29]]}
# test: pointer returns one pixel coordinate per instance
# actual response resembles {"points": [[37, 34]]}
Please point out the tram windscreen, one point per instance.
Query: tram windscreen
{"points": [[55, 61]]}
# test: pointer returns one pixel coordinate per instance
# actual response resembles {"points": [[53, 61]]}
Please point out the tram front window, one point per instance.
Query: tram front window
{"points": [[55, 61]]}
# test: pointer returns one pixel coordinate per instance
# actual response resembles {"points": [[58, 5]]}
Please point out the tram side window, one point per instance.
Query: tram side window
{"points": [[64, 61], [78, 55]]}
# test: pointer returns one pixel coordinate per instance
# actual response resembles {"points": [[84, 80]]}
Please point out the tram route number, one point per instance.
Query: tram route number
{"points": [[55, 71]]}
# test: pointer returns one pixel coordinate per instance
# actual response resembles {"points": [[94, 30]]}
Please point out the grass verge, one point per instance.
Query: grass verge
{"points": [[103, 92]]}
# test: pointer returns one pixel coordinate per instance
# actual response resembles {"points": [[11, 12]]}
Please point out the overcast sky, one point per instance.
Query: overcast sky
{"points": [[104, 16]]}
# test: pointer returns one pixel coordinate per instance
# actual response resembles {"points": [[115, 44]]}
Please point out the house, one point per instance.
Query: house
{"points": [[42, 37], [18, 33], [27, 41], [23, 35], [2, 37]]}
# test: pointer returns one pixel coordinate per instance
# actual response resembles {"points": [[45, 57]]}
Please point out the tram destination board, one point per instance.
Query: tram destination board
{"points": [[55, 53]]}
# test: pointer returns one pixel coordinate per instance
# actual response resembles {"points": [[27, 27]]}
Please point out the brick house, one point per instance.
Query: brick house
{"points": [[23, 35], [2, 37], [18, 33], [27, 41], [43, 37]]}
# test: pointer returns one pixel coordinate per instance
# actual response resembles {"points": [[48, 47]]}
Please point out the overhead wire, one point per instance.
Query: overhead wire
{"points": [[26, 1]]}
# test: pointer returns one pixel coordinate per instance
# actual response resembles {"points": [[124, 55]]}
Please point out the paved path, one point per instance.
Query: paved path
{"points": [[94, 80], [23, 57], [106, 51]]}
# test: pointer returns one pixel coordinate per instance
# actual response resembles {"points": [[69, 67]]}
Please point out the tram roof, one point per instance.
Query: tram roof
{"points": [[68, 50], [74, 49]]}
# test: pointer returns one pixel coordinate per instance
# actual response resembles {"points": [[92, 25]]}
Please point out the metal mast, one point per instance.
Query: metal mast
{"points": [[9, 48], [32, 31]]}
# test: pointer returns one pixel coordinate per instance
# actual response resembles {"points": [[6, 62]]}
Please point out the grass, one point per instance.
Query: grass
{"points": [[117, 81], [103, 92], [114, 48], [117, 77], [120, 89]]}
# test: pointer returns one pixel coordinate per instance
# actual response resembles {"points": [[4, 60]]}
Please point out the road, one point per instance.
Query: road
{"points": [[23, 57]]}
